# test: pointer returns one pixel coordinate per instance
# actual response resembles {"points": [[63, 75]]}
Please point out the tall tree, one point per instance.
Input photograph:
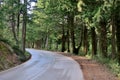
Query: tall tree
{"points": [[117, 18], [13, 20], [63, 38], [85, 40], [18, 20], [94, 41], [24, 25], [103, 38], [113, 29]]}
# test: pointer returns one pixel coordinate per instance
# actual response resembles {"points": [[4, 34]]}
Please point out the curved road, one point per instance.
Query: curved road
{"points": [[44, 65]]}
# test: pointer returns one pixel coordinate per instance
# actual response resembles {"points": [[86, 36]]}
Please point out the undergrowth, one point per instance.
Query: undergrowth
{"points": [[113, 65], [22, 56]]}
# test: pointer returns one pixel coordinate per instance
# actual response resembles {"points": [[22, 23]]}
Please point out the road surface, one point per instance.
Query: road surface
{"points": [[44, 65]]}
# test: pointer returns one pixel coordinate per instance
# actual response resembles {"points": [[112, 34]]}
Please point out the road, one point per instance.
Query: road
{"points": [[44, 65]]}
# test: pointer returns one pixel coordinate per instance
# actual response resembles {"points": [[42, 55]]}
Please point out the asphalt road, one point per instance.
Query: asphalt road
{"points": [[44, 65]]}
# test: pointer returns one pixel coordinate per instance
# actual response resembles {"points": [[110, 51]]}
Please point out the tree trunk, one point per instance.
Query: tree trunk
{"points": [[75, 49], [33, 45], [118, 40], [37, 44], [68, 41], [68, 33], [113, 37], [117, 24], [46, 41], [103, 38], [24, 26], [80, 42], [94, 41], [56, 48], [63, 38], [85, 40], [43, 40], [0, 4], [18, 22], [13, 27], [71, 18], [50, 46]]}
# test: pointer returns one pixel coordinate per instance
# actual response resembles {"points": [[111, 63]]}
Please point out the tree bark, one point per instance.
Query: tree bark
{"points": [[118, 40], [63, 38], [113, 37], [71, 27], [13, 23], [103, 38], [117, 24], [85, 40], [13, 27], [46, 41], [24, 26], [68, 41], [71, 18], [94, 41], [50, 46], [18, 21], [68, 32], [80, 42]]}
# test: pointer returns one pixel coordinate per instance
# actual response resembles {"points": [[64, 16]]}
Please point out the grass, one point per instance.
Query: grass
{"points": [[113, 65], [22, 56], [27, 55]]}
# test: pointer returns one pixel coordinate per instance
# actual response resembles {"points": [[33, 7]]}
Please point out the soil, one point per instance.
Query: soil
{"points": [[8, 59], [92, 70]]}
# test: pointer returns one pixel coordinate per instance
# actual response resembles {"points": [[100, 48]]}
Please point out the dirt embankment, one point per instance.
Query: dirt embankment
{"points": [[7, 57], [92, 70]]}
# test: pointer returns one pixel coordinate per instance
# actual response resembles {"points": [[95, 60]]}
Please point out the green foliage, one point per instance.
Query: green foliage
{"points": [[20, 53], [45, 25], [5, 41], [113, 65]]}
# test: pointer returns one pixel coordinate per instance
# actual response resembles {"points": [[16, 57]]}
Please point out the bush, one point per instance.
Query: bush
{"points": [[22, 56], [19, 53]]}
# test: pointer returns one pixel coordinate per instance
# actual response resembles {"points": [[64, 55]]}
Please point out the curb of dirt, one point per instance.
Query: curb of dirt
{"points": [[92, 70]]}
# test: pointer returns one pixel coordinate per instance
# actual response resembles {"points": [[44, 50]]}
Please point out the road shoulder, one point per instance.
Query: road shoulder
{"points": [[92, 70]]}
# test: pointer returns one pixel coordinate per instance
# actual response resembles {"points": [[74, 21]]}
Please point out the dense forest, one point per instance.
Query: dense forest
{"points": [[82, 27], [13, 19]]}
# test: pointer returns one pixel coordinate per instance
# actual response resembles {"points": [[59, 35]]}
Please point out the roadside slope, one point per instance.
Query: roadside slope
{"points": [[7, 57]]}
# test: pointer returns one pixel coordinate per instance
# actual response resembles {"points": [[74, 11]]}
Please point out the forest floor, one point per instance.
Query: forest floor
{"points": [[92, 70]]}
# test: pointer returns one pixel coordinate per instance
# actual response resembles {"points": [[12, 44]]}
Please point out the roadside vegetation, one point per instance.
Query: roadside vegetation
{"points": [[11, 57], [81, 27], [112, 65]]}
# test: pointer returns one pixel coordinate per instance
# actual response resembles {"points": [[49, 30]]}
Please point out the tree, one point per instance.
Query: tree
{"points": [[24, 25], [113, 40], [117, 24], [70, 25], [103, 38], [94, 41]]}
